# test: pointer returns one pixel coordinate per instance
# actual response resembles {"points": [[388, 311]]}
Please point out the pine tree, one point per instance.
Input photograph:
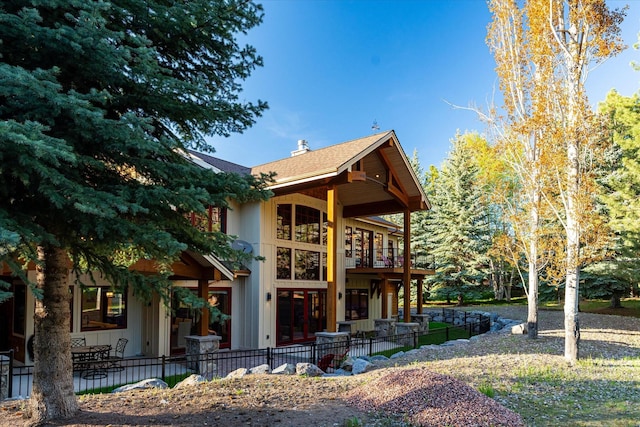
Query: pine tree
{"points": [[98, 101], [458, 227]]}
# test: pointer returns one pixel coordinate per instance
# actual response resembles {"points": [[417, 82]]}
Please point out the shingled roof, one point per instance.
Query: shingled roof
{"points": [[332, 159]]}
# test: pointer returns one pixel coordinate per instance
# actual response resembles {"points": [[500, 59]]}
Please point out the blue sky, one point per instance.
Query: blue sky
{"points": [[333, 67]]}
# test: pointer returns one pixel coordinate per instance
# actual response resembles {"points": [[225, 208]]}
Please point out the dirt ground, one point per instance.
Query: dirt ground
{"points": [[401, 392]]}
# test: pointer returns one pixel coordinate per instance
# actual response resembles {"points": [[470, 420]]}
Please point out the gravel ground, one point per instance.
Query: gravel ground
{"points": [[435, 386]]}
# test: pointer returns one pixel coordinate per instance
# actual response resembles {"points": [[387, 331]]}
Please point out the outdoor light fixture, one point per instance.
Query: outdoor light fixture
{"points": [[339, 295], [268, 296]]}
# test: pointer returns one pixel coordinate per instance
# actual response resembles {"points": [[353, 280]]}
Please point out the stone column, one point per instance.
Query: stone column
{"points": [[332, 343], [4, 377], [405, 333], [346, 326], [422, 320], [202, 354], [385, 327]]}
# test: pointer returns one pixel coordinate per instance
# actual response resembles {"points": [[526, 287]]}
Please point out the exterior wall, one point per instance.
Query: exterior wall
{"points": [[375, 302], [132, 332], [265, 281]]}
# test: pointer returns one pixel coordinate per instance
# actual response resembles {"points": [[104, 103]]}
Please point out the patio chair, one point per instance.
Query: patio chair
{"points": [[79, 342], [115, 360], [332, 360]]}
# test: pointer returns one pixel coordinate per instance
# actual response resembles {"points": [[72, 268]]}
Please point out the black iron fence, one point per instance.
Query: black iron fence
{"points": [[16, 379]]}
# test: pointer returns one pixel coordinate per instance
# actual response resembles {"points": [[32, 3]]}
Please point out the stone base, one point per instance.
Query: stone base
{"points": [[4, 377], [346, 326], [202, 354], [385, 327], [332, 343], [422, 320], [407, 333]]}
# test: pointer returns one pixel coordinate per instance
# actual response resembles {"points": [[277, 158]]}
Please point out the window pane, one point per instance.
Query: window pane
{"points": [[307, 225], [283, 222], [284, 264], [307, 265], [103, 308], [348, 231]]}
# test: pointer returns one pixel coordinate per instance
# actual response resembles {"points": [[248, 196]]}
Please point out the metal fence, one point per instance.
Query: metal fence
{"points": [[16, 379]]}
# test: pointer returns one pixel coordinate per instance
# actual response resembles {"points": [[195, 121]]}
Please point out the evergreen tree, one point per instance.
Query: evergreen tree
{"points": [[98, 102], [458, 227], [618, 274]]}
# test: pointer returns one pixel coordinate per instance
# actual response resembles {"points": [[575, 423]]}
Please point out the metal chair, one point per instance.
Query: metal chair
{"points": [[78, 342], [118, 355]]}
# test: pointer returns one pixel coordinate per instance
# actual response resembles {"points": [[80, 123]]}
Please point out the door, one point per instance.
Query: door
{"points": [[363, 242], [221, 326], [300, 314]]}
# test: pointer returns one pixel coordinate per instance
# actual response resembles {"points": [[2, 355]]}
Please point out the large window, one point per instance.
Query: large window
{"points": [[307, 225], [103, 308], [284, 264], [283, 222], [307, 265], [356, 304]]}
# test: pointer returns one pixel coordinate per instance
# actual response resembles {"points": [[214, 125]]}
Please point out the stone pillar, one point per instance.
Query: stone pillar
{"points": [[346, 326], [422, 320], [385, 327], [405, 333], [202, 354], [331, 343], [4, 377]]}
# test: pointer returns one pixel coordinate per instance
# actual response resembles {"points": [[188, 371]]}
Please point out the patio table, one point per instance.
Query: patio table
{"points": [[91, 361]]}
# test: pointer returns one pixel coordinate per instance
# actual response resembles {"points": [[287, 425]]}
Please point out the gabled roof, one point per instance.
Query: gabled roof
{"points": [[329, 160], [372, 174]]}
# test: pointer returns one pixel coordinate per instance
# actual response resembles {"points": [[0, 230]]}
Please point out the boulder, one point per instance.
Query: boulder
{"points": [[286, 369], [308, 369], [144, 384], [262, 369], [190, 381], [238, 373]]}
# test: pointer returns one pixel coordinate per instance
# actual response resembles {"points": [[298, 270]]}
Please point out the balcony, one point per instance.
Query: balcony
{"points": [[391, 259]]}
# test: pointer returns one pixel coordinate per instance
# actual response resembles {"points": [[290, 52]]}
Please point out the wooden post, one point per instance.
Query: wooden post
{"points": [[419, 309], [203, 292], [332, 255], [407, 266]]}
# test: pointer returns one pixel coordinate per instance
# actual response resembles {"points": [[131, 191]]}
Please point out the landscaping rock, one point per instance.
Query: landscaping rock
{"points": [[238, 373], [308, 369], [262, 369], [286, 369], [190, 381], [144, 384], [361, 366]]}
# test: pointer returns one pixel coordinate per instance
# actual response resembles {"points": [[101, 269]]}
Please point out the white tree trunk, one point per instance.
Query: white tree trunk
{"points": [[52, 396], [572, 294]]}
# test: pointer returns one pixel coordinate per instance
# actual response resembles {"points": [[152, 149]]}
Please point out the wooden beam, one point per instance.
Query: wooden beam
{"points": [[332, 257], [203, 292], [376, 208], [407, 266]]}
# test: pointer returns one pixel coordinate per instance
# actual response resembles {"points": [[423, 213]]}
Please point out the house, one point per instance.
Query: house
{"points": [[330, 259]]}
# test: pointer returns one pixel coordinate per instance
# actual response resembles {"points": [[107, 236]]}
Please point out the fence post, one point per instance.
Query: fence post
{"points": [[446, 330], [313, 353], [370, 346], [10, 375], [415, 339], [164, 363], [269, 357]]}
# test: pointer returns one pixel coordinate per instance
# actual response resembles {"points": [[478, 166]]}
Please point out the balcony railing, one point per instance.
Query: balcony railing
{"points": [[388, 258]]}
